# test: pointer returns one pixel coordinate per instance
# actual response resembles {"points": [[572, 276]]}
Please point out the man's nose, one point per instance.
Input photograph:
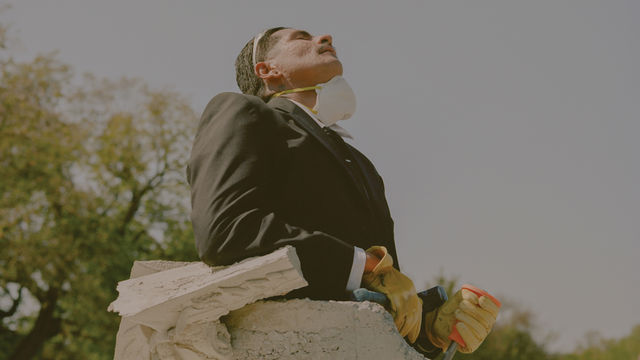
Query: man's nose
{"points": [[326, 38]]}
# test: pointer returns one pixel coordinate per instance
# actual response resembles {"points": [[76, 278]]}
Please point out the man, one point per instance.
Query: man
{"points": [[269, 168]]}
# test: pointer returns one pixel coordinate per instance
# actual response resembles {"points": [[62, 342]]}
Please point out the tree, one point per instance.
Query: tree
{"points": [[598, 348], [92, 178]]}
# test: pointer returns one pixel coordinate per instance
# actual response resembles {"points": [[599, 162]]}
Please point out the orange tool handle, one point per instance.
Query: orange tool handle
{"points": [[455, 335]]}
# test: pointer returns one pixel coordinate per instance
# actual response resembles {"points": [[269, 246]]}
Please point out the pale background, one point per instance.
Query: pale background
{"points": [[506, 131]]}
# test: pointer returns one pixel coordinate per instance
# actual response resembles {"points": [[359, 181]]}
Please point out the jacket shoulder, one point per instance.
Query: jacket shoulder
{"points": [[227, 100], [236, 109]]}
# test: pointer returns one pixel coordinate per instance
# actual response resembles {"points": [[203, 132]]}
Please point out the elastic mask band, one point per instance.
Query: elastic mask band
{"points": [[309, 88], [299, 90]]}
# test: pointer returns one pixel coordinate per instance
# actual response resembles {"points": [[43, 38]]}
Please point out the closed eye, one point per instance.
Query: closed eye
{"points": [[302, 35]]}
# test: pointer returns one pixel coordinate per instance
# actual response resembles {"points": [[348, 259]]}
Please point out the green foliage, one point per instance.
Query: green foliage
{"points": [[92, 179], [597, 348]]}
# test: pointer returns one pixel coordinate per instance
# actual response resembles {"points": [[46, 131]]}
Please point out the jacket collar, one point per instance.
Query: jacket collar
{"points": [[286, 105], [307, 123], [303, 120]]}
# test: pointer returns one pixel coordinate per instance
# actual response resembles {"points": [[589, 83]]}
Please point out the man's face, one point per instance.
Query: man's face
{"points": [[304, 59]]}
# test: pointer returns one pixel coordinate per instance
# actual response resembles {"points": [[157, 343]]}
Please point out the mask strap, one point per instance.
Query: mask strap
{"points": [[308, 88]]}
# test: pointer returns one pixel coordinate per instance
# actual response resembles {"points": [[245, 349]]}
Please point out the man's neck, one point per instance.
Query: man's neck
{"points": [[306, 98]]}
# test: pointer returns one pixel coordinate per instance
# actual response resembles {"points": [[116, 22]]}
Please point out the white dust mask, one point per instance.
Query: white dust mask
{"points": [[335, 100]]}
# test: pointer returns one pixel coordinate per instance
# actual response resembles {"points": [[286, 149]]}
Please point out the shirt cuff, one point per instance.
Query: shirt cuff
{"points": [[357, 269]]}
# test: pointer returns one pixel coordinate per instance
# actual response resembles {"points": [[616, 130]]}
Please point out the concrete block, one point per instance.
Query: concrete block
{"points": [[306, 329], [189, 311], [157, 300]]}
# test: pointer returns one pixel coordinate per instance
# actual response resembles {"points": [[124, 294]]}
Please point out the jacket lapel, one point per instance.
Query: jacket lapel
{"points": [[303, 120]]}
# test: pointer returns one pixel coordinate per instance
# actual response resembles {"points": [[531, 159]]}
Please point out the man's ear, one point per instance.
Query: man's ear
{"points": [[272, 77], [266, 72]]}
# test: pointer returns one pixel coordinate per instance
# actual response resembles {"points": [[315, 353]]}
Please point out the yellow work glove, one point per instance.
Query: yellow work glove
{"points": [[472, 315], [405, 306]]}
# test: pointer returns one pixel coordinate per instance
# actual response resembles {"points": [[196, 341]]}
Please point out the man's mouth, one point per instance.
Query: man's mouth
{"points": [[327, 49]]}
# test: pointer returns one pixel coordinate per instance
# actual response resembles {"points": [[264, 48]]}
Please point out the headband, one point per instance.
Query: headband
{"points": [[256, 40]]}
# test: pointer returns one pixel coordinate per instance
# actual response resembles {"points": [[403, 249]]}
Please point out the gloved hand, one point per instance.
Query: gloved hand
{"points": [[475, 315], [405, 306]]}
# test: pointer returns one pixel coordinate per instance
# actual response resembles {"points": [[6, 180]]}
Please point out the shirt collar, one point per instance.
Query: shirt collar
{"points": [[335, 127]]}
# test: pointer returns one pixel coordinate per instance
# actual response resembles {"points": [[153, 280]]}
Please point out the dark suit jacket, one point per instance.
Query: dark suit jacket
{"points": [[266, 175]]}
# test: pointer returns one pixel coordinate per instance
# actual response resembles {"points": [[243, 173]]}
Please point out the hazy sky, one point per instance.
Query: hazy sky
{"points": [[506, 131]]}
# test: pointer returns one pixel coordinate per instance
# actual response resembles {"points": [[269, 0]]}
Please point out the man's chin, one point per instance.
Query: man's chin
{"points": [[318, 74], [331, 70]]}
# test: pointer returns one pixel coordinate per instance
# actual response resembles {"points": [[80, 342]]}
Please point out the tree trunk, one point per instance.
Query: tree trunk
{"points": [[46, 327]]}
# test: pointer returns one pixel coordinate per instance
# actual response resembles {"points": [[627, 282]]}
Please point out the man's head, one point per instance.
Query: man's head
{"points": [[285, 59]]}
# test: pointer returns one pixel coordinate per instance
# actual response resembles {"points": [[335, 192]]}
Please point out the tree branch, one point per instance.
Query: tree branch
{"points": [[134, 205], [14, 305], [45, 327]]}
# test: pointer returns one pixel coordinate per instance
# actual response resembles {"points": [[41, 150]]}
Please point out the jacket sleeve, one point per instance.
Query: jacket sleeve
{"points": [[234, 170]]}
